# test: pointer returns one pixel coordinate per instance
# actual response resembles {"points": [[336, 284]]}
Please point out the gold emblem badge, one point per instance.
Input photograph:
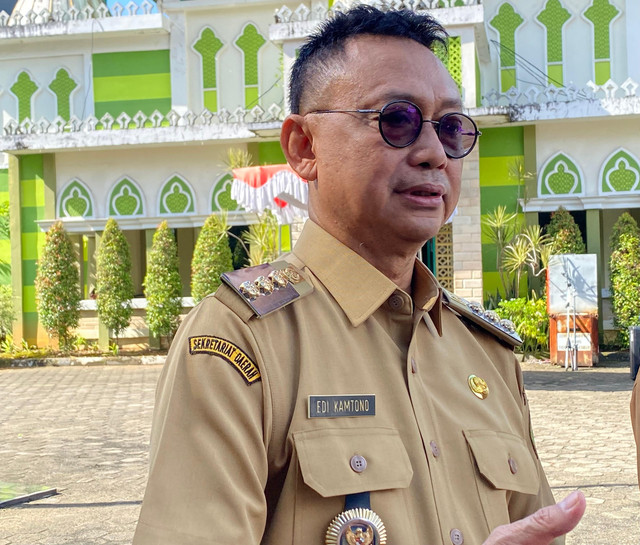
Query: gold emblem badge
{"points": [[356, 527], [478, 387]]}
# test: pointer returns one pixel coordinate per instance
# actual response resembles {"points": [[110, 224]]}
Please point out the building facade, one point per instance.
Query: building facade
{"points": [[128, 111]]}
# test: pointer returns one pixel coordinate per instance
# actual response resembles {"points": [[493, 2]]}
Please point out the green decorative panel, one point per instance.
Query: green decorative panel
{"points": [[452, 58], [560, 176], [131, 81], [621, 172], [75, 201], [5, 241], [601, 13], [126, 199], [553, 17], [221, 195], [62, 86], [176, 197], [208, 46], [506, 22], [24, 88], [249, 43]]}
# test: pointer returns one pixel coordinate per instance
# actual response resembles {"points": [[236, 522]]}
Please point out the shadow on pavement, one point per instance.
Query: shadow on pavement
{"points": [[581, 380]]}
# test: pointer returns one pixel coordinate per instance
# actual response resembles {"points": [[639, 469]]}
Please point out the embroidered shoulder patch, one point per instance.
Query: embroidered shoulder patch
{"points": [[231, 353]]}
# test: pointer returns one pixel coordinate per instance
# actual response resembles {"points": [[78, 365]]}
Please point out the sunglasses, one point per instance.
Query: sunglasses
{"points": [[400, 123]]}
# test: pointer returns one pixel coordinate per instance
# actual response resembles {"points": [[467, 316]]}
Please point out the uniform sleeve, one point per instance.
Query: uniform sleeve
{"points": [[208, 462], [635, 418], [523, 505]]}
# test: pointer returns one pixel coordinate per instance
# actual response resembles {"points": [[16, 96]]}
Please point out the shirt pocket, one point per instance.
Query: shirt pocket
{"points": [[504, 465], [325, 461]]}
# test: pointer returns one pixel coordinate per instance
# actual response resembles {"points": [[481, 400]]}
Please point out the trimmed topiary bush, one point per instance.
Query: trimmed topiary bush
{"points": [[211, 257], [58, 286], [162, 284], [565, 234], [624, 277], [113, 279]]}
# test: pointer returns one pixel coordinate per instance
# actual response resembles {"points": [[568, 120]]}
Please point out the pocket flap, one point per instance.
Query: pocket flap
{"points": [[325, 457], [504, 460]]}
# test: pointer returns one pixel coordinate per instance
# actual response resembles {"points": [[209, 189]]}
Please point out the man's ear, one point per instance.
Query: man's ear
{"points": [[297, 145]]}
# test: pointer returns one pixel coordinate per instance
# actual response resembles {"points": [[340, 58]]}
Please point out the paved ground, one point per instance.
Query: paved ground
{"points": [[85, 430]]}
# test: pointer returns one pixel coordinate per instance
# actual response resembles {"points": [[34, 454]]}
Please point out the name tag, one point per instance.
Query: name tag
{"points": [[335, 406]]}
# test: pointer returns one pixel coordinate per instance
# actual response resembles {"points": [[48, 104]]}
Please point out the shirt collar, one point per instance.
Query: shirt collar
{"points": [[356, 285]]}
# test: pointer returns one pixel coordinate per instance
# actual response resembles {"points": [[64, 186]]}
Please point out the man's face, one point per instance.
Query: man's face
{"points": [[368, 192]]}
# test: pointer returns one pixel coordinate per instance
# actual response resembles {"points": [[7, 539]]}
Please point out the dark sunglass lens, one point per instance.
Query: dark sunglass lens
{"points": [[457, 133], [400, 123]]}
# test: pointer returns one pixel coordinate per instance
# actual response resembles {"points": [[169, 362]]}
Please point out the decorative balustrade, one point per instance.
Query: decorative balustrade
{"points": [[552, 94], [304, 14], [156, 120], [45, 16]]}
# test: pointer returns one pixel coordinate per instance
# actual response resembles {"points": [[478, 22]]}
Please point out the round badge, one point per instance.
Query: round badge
{"points": [[356, 527], [478, 387]]}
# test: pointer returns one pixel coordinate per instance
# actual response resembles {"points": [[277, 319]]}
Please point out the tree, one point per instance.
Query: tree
{"points": [[211, 257], [262, 238], [162, 284], [58, 286], [565, 234], [624, 277], [113, 279]]}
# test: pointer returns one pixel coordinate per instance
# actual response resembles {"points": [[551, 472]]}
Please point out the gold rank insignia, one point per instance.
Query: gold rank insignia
{"points": [[357, 526], [478, 386], [268, 287], [486, 319]]}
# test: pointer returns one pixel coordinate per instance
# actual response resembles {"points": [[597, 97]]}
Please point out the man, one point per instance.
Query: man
{"points": [[635, 418], [338, 396]]}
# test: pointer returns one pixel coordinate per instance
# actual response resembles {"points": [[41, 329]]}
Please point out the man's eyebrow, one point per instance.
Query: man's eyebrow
{"points": [[450, 103]]}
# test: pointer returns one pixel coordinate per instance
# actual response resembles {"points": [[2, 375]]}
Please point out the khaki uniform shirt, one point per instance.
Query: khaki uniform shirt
{"points": [[239, 462]]}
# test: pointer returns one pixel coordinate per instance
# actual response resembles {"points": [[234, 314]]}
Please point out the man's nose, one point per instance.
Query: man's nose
{"points": [[427, 151]]}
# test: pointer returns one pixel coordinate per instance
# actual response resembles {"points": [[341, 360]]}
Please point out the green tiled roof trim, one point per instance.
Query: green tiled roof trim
{"points": [[553, 17], [560, 176], [620, 173], [177, 197], [24, 88], [62, 86]]}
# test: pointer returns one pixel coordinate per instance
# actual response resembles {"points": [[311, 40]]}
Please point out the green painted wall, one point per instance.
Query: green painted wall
{"points": [[270, 153], [5, 242], [32, 208], [500, 150], [130, 82]]}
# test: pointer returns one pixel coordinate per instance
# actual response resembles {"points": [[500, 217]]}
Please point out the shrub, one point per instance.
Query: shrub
{"points": [[531, 321], [162, 285], [113, 279], [624, 266], [7, 312], [565, 234], [58, 286], [211, 257]]}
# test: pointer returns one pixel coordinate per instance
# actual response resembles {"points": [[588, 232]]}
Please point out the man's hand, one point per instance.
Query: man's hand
{"points": [[543, 526]]}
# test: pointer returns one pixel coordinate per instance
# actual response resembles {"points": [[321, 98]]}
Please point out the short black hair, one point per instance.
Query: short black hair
{"points": [[330, 39]]}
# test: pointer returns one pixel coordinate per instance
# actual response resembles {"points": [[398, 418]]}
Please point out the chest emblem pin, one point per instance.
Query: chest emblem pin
{"points": [[357, 526], [478, 386]]}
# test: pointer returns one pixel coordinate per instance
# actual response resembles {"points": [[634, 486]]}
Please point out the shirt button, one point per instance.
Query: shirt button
{"points": [[435, 450], [358, 463], [414, 367], [456, 537], [396, 302], [513, 466]]}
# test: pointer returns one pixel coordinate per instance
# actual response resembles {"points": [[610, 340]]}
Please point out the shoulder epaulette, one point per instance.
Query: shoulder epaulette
{"points": [[486, 319], [268, 287]]}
